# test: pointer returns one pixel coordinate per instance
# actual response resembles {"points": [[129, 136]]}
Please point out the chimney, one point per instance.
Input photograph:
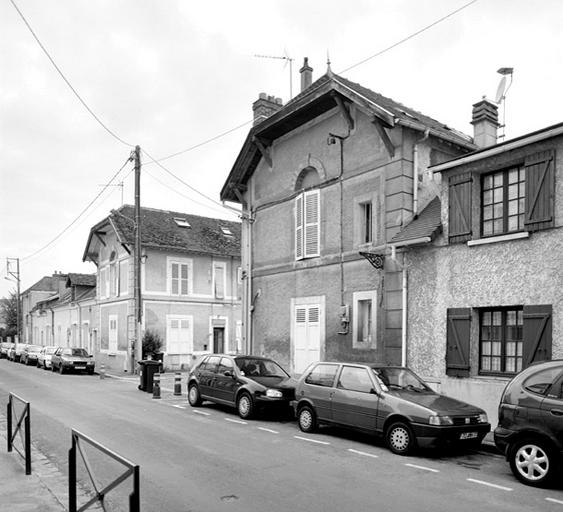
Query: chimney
{"points": [[265, 106], [485, 123], [306, 74]]}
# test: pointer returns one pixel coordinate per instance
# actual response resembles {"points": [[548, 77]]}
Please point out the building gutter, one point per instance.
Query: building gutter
{"points": [[413, 241], [500, 148]]}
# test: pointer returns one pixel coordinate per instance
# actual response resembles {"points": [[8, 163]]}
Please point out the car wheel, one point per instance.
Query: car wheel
{"points": [[307, 419], [194, 398], [400, 438], [532, 462], [245, 406]]}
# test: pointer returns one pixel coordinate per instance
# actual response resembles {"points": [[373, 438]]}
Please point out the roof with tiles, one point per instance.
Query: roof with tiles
{"points": [[174, 231], [81, 279], [427, 225], [46, 284]]}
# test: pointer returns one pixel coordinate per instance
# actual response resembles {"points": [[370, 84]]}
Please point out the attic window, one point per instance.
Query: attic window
{"points": [[226, 231], [181, 222]]}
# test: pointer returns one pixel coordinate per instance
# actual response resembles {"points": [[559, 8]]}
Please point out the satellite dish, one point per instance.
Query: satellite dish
{"points": [[501, 89]]}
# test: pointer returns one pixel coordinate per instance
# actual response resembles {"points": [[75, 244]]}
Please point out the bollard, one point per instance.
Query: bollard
{"points": [[178, 384], [156, 386], [102, 371]]}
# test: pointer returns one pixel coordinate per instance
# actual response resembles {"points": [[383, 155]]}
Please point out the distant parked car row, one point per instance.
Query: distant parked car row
{"points": [[61, 359], [396, 404]]}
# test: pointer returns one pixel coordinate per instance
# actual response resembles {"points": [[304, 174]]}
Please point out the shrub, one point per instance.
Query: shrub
{"points": [[152, 343]]}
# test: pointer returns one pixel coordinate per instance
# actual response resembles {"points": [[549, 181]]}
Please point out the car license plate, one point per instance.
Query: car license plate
{"points": [[84, 367], [468, 435]]}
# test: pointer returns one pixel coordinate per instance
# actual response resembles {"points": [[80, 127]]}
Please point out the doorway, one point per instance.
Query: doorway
{"points": [[218, 340]]}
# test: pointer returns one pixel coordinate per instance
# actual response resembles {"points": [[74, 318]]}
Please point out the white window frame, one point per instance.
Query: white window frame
{"points": [[371, 342], [113, 345], [179, 262], [308, 224], [223, 265]]}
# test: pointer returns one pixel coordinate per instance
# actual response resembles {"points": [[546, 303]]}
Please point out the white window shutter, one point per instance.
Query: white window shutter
{"points": [[312, 223], [299, 227]]}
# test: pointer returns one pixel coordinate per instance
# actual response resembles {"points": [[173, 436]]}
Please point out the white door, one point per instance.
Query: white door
{"points": [[112, 338], [307, 342], [179, 339]]}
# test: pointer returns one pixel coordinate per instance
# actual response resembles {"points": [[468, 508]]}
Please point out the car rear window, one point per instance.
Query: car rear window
{"points": [[541, 381], [322, 375]]}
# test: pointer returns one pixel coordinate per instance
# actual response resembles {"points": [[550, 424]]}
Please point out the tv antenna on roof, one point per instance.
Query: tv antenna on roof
{"points": [[500, 97], [287, 59]]}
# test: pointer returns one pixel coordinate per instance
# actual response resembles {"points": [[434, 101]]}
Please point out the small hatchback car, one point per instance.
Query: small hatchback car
{"points": [[530, 423], [245, 382], [388, 400]]}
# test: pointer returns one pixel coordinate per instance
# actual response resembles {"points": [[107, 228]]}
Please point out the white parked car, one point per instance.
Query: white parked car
{"points": [[44, 358]]}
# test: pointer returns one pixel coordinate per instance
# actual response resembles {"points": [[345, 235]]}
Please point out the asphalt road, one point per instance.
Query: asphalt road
{"points": [[207, 459]]}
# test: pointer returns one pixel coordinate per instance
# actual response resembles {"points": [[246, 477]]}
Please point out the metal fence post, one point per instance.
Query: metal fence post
{"points": [[135, 497], [9, 416], [27, 441], [72, 476]]}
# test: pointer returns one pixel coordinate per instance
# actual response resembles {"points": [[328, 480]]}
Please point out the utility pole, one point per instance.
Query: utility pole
{"points": [[16, 276], [137, 354]]}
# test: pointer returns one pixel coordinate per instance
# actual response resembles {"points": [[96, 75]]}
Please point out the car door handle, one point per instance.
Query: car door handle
{"points": [[557, 412]]}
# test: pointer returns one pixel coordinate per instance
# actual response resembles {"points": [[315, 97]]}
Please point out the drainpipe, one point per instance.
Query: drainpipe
{"points": [[404, 297], [415, 172], [330, 141]]}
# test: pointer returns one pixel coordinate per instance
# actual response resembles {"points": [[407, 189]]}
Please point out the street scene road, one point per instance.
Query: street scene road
{"points": [[206, 458]]}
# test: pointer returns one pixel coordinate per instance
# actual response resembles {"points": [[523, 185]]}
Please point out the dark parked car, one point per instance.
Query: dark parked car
{"points": [[72, 359], [387, 400], [30, 354], [530, 423], [245, 382], [15, 352]]}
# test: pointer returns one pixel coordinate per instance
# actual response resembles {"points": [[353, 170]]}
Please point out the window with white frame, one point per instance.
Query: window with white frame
{"points": [[307, 225], [113, 275], [180, 277], [366, 229], [112, 333], [364, 319], [219, 284]]}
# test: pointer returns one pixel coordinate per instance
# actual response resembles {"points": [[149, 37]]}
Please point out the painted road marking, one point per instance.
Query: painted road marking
{"points": [[310, 440], [501, 487], [363, 453], [422, 467], [553, 500], [240, 422], [202, 413], [179, 406], [268, 430]]}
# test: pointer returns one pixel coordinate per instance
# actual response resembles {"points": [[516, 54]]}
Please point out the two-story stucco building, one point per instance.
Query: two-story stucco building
{"points": [[190, 284], [325, 182], [485, 294]]}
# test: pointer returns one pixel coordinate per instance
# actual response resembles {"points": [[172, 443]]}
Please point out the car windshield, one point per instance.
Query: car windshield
{"points": [[260, 367], [34, 348], [80, 352], [50, 350], [400, 378]]}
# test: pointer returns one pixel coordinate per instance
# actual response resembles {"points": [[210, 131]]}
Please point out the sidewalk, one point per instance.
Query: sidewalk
{"points": [[46, 489]]}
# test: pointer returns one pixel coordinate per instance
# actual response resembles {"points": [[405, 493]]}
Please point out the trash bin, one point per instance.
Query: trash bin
{"points": [[146, 373]]}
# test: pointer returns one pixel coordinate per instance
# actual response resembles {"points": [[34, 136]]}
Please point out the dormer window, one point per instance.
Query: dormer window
{"points": [[181, 222]]}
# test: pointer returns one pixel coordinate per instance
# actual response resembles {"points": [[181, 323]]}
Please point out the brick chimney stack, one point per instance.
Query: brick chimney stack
{"points": [[265, 106], [306, 74], [485, 123]]}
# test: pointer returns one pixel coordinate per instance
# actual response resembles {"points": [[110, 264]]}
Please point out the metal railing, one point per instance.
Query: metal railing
{"points": [[23, 419], [132, 470]]}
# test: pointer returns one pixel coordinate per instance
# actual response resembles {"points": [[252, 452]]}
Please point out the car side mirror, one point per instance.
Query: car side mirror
{"points": [[373, 391], [228, 373]]}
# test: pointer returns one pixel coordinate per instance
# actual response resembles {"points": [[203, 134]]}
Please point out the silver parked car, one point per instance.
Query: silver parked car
{"points": [[44, 358]]}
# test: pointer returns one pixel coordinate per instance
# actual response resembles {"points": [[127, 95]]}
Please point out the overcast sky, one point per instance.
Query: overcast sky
{"points": [[169, 75]]}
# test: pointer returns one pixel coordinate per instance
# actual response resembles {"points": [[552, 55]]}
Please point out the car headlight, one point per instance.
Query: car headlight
{"points": [[483, 418], [440, 420], [274, 393]]}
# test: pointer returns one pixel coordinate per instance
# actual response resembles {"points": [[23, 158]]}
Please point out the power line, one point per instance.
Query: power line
{"points": [[100, 122], [48, 244], [180, 193], [409, 37], [182, 181]]}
